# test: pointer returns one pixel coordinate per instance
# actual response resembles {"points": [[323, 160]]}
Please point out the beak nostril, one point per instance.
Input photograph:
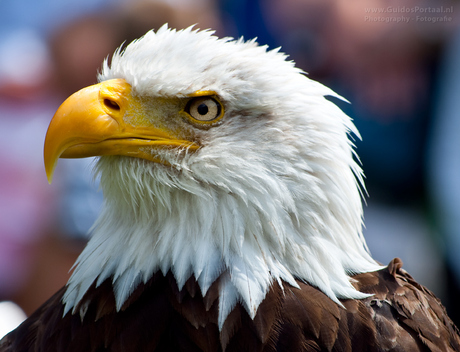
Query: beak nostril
{"points": [[111, 104]]}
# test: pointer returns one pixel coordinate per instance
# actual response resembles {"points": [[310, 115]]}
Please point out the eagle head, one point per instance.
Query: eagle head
{"points": [[218, 160]]}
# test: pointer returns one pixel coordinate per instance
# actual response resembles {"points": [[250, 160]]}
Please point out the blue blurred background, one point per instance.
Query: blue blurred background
{"points": [[397, 62]]}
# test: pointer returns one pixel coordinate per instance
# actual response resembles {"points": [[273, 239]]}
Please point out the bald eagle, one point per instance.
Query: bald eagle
{"points": [[232, 216]]}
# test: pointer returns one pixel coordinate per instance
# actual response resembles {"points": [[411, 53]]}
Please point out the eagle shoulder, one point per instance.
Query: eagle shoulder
{"points": [[402, 315], [405, 313], [45, 321]]}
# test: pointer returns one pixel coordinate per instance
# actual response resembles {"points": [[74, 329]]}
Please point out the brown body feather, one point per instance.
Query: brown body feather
{"points": [[401, 316]]}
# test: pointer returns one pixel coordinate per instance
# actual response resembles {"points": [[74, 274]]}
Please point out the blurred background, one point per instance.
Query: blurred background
{"points": [[397, 62]]}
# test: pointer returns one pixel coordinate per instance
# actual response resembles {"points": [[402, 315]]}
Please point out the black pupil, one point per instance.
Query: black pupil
{"points": [[202, 109]]}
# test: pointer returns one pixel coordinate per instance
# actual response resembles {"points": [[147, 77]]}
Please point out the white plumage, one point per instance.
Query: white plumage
{"points": [[272, 194]]}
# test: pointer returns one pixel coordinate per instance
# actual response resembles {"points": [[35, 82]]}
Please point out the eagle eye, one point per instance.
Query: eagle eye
{"points": [[204, 109]]}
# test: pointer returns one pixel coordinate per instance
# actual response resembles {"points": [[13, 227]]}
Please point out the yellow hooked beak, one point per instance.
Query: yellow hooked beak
{"points": [[105, 119]]}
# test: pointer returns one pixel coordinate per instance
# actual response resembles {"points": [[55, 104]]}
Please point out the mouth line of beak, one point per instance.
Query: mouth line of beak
{"points": [[125, 146], [154, 141]]}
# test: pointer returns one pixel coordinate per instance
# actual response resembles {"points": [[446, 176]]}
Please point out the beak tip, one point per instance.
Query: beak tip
{"points": [[49, 162], [49, 173]]}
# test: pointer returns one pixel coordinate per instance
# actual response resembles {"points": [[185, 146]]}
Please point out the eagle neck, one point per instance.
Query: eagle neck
{"points": [[177, 224]]}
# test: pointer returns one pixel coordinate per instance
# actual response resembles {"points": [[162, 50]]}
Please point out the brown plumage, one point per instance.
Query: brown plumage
{"points": [[401, 316]]}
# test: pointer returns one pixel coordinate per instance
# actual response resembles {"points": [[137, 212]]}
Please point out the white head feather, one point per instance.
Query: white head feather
{"points": [[273, 193]]}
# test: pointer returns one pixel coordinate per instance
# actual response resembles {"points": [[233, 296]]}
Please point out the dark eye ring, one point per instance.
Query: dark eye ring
{"points": [[204, 109]]}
